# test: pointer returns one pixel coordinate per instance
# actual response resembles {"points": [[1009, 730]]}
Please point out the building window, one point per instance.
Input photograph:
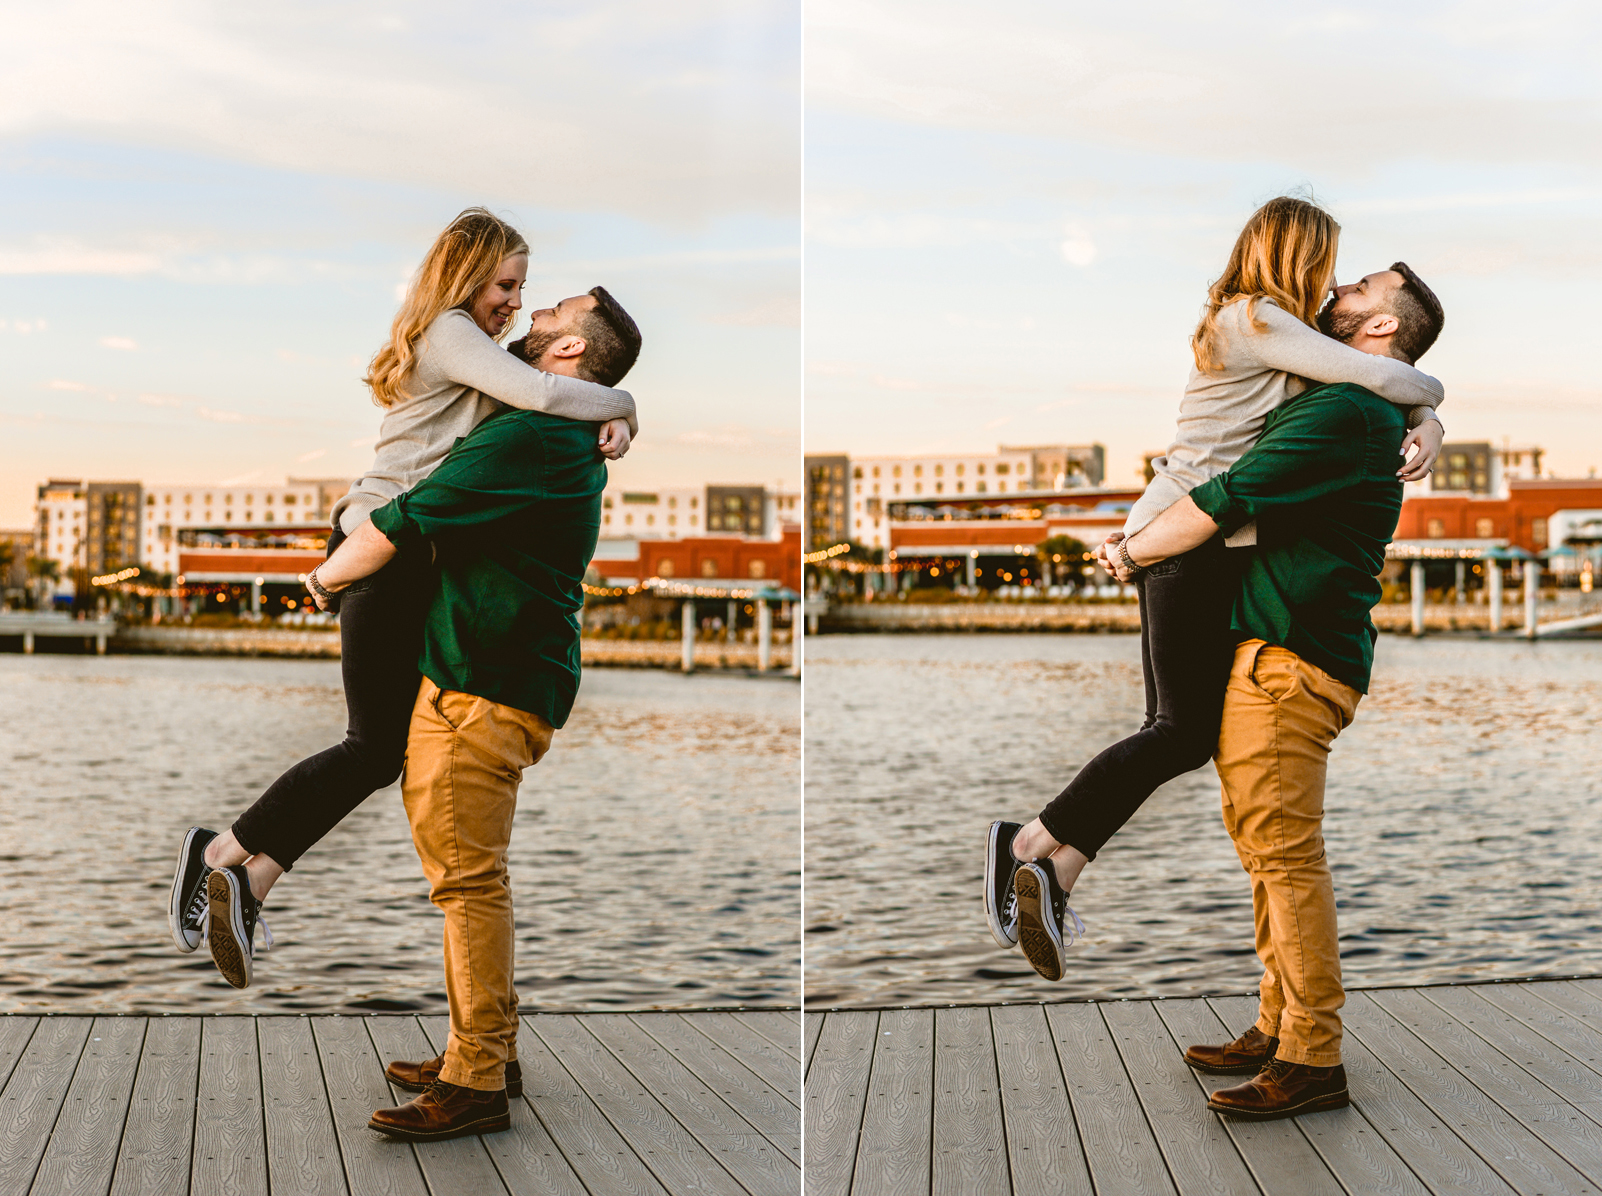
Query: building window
{"points": [[940, 470], [959, 469], [1436, 529], [1484, 528], [896, 472], [709, 567], [1538, 530], [857, 472], [1001, 486], [650, 521], [939, 487], [758, 569], [979, 487], [664, 568], [672, 519], [897, 488], [1003, 467], [917, 471], [959, 487], [917, 487], [875, 471]]}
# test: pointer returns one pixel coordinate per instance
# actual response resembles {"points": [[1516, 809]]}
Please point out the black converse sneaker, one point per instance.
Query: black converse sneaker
{"points": [[232, 913], [188, 900], [1047, 924], [1001, 907]]}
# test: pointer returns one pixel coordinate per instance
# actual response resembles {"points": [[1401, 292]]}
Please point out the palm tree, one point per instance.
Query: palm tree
{"points": [[42, 570]]}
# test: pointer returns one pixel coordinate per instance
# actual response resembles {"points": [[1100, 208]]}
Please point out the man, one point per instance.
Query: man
{"points": [[1322, 485], [513, 514]]}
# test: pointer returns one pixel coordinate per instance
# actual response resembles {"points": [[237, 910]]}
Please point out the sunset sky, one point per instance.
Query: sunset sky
{"points": [[1014, 212], [207, 213]]}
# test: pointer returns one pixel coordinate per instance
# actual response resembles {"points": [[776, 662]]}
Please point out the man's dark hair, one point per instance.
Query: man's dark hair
{"points": [[611, 340], [1417, 311]]}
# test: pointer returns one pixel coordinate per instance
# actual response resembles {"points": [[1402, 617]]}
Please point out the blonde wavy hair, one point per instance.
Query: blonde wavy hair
{"points": [[1285, 253], [463, 260]]}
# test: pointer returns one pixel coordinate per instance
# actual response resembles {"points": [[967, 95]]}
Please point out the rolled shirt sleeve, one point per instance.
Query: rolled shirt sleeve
{"points": [[1316, 448]]}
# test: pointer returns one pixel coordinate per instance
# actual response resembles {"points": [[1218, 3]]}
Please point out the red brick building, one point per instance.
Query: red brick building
{"points": [[724, 558], [1520, 518]]}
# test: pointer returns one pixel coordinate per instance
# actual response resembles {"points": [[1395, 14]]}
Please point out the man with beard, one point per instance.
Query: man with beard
{"points": [[1321, 483], [512, 514]]}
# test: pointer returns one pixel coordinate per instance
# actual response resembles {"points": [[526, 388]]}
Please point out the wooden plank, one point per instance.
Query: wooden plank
{"points": [[1044, 1153], [1566, 1031], [742, 1150], [1583, 993], [1516, 1154], [679, 1162], [302, 1148], [33, 1096], [598, 1153], [970, 1147], [1421, 1138], [1574, 1080], [457, 1164], [896, 1121], [1120, 1149], [1201, 1155], [1573, 1005], [527, 1158], [230, 1145], [158, 1136], [14, 1035], [836, 1093], [1341, 1139], [1530, 1102], [354, 1079], [814, 1026], [82, 1154], [779, 1026], [770, 1112], [779, 1068]]}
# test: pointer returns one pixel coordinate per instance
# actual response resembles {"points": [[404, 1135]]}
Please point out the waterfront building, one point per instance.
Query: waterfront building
{"points": [[18, 545], [828, 509], [712, 561], [675, 512]]}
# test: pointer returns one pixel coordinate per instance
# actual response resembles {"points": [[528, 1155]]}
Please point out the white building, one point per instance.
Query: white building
{"points": [[60, 520], [665, 513], [170, 510], [877, 481]]}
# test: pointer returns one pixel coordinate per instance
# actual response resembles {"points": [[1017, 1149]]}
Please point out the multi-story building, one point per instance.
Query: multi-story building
{"points": [[1063, 466], [876, 482], [736, 510], [666, 513], [183, 518], [828, 506], [61, 512], [18, 545]]}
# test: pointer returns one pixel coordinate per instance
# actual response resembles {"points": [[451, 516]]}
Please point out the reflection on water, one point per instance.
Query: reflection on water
{"points": [[654, 853], [1464, 820]]}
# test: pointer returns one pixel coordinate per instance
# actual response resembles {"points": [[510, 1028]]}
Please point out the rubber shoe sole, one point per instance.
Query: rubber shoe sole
{"points": [[1039, 945], [484, 1125], [1239, 1069], [1317, 1104], [230, 950], [993, 909]]}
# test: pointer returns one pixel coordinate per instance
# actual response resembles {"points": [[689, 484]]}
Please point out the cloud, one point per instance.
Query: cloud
{"points": [[157, 400], [63, 384], [126, 343], [25, 327], [1077, 248], [240, 479], [311, 456], [222, 417], [782, 311], [669, 112]]}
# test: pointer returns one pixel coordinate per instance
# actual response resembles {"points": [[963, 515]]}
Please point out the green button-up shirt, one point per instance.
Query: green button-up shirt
{"points": [[514, 511], [1321, 483]]}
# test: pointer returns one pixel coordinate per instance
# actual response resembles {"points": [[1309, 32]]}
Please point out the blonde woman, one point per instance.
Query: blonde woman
{"points": [[437, 376], [1258, 344]]}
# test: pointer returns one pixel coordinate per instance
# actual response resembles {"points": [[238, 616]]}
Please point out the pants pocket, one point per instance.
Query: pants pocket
{"points": [[1274, 672]]}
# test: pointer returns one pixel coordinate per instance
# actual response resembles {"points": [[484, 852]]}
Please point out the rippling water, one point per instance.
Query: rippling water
{"points": [[1464, 820], [654, 855]]}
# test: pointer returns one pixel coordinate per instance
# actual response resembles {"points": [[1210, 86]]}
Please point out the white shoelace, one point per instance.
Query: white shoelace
{"points": [[266, 930], [1069, 937]]}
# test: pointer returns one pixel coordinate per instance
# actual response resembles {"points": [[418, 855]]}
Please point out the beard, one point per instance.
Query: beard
{"points": [[1343, 325], [533, 345]]}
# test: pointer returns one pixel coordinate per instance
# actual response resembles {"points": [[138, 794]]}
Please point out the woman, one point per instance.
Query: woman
{"points": [[438, 375], [1257, 345]]}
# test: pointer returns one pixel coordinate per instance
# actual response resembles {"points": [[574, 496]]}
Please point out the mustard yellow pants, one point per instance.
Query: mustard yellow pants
{"points": [[464, 759], [1280, 716]]}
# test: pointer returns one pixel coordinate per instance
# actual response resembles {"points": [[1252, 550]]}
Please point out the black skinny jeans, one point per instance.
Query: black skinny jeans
{"points": [[381, 638], [1186, 648]]}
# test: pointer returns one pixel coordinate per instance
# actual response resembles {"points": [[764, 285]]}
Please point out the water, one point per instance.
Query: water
{"points": [[1463, 825], [654, 855]]}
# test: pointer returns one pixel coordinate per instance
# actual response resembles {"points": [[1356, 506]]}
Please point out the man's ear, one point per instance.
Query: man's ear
{"points": [[574, 346], [1383, 324]]}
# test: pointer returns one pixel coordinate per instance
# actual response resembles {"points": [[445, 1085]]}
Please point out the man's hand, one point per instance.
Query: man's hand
{"points": [[1106, 550], [614, 442], [1427, 439]]}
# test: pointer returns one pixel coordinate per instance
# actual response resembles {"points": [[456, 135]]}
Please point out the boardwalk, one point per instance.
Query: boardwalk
{"points": [[1485, 1089], [652, 1104]]}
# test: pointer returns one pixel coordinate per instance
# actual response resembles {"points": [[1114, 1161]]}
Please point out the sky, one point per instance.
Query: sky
{"points": [[208, 213], [1013, 212]]}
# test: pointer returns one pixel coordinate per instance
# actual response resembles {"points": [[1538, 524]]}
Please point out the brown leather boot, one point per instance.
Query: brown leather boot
{"points": [[445, 1111], [1284, 1089], [1246, 1056], [414, 1077]]}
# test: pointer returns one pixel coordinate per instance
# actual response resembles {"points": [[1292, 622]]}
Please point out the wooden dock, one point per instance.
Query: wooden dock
{"points": [[643, 1103], [1485, 1089]]}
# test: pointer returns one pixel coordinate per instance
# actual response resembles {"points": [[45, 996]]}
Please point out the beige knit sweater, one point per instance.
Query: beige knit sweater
{"points": [[459, 378], [1222, 413]]}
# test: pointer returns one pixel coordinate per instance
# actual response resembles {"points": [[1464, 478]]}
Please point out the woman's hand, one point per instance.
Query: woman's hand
{"points": [[614, 442], [1106, 551], [1427, 439]]}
